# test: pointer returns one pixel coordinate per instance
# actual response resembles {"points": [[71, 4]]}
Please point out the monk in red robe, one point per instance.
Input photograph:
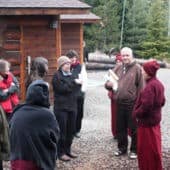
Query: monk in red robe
{"points": [[147, 114], [113, 101]]}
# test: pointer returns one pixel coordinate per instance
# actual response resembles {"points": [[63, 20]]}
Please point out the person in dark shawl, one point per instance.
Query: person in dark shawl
{"points": [[34, 131], [147, 114]]}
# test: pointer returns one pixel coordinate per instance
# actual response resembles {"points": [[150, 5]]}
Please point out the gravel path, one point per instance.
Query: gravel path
{"points": [[96, 145]]}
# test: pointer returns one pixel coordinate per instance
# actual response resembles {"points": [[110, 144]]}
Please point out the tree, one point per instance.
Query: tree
{"points": [[156, 44], [145, 27], [135, 24], [105, 35]]}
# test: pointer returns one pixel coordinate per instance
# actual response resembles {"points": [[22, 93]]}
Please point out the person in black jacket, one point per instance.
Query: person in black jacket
{"points": [[65, 106], [85, 52], [76, 70], [34, 131]]}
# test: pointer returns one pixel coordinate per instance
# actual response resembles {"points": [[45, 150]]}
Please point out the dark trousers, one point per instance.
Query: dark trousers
{"points": [[80, 109], [66, 122], [1, 165], [124, 121]]}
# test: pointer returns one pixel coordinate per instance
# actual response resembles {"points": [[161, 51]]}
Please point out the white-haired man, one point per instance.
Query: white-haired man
{"points": [[129, 85]]}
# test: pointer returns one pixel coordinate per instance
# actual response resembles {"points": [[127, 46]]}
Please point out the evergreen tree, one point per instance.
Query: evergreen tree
{"points": [[106, 34], [135, 26], [157, 44], [145, 27]]}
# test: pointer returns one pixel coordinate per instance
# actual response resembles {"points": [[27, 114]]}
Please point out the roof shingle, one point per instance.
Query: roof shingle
{"points": [[42, 4]]}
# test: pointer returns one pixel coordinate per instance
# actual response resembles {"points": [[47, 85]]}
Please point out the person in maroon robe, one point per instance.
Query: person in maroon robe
{"points": [[113, 101], [147, 114]]}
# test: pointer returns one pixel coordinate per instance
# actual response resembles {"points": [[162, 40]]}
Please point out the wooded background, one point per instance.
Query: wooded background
{"points": [[143, 25]]}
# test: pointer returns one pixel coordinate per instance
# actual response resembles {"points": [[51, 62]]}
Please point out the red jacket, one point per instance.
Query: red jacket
{"points": [[147, 110], [12, 100]]}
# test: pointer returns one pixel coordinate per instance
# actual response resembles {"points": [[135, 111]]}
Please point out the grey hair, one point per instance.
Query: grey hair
{"points": [[4, 64], [129, 50]]}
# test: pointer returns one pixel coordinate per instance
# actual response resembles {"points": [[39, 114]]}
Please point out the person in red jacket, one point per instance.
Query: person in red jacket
{"points": [[8, 89], [147, 114]]}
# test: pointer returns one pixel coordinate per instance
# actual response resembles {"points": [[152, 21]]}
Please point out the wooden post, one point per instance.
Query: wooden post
{"points": [[22, 66], [58, 39], [81, 43]]}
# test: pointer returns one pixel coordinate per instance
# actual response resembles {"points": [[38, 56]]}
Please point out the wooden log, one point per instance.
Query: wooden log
{"points": [[97, 66], [105, 65], [11, 46], [104, 61]]}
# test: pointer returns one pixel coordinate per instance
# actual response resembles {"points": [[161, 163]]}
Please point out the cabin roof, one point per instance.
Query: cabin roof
{"points": [[42, 4], [42, 7], [86, 18]]}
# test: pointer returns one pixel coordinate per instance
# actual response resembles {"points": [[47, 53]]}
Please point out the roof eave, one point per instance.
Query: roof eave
{"points": [[81, 21], [42, 11]]}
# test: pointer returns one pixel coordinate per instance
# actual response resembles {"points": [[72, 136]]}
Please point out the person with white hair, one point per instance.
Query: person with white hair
{"points": [[129, 85]]}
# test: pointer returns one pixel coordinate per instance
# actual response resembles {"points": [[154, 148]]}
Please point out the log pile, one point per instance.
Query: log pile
{"points": [[103, 62]]}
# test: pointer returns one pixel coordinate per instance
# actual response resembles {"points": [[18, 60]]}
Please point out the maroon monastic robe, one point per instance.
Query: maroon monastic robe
{"points": [[147, 114]]}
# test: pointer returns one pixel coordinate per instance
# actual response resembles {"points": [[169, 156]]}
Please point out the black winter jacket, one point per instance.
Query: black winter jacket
{"points": [[64, 88]]}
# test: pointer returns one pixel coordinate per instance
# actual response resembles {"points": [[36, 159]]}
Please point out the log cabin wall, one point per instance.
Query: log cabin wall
{"points": [[25, 37], [10, 49], [41, 40], [70, 37], [10, 42]]}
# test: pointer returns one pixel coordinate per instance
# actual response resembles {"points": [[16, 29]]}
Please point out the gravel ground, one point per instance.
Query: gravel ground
{"points": [[96, 145]]}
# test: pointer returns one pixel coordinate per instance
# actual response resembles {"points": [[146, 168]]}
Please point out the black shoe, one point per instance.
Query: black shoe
{"points": [[72, 155], [77, 135], [119, 153]]}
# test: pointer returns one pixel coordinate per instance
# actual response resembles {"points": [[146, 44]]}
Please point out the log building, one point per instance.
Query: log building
{"points": [[48, 28]]}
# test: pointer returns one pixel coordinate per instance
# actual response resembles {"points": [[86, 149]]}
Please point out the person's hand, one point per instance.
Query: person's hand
{"points": [[110, 94], [12, 84], [109, 84], [78, 81], [5, 90]]}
